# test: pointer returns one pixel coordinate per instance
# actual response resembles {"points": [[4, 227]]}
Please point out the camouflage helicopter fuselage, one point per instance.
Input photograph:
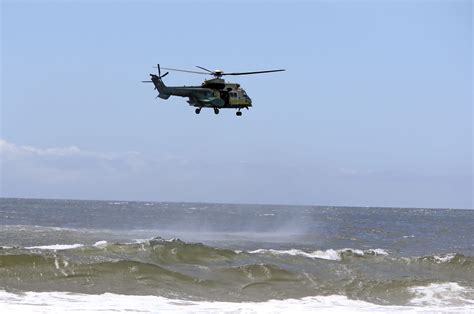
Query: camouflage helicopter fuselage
{"points": [[214, 93]]}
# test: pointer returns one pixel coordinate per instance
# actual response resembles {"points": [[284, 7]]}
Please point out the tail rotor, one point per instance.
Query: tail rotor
{"points": [[163, 91], [159, 72], [159, 75]]}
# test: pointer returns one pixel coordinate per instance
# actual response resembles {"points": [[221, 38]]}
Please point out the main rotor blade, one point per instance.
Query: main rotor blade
{"points": [[197, 66], [178, 70], [255, 72], [147, 82]]}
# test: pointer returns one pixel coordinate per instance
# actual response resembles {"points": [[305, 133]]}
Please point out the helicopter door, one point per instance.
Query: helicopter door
{"points": [[225, 97]]}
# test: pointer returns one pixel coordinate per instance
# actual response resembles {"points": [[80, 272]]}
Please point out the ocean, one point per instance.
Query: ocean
{"points": [[109, 256]]}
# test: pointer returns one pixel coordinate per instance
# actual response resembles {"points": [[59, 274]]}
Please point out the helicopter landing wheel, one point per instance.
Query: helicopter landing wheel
{"points": [[197, 111], [238, 113], [216, 111]]}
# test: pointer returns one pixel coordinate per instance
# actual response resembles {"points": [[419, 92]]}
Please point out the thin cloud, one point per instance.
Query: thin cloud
{"points": [[11, 151], [23, 164]]}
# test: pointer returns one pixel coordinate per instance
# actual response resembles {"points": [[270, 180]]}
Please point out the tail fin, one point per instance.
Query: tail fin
{"points": [[159, 85]]}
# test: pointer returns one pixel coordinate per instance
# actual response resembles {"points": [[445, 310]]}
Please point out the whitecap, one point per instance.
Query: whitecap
{"points": [[327, 254], [378, 251], [444, 258], [442, 294], [330, 254], [100, 244], [56, 247]]}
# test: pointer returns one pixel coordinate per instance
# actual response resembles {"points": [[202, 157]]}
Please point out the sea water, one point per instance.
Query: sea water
{"points": [[108, 256]]}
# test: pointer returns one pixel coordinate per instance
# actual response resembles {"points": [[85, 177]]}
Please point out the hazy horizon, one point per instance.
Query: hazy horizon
{"points": [[224, 203]]}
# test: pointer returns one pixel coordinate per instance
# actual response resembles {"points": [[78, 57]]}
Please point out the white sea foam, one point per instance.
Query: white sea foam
{"points": [[56, 247], [444, 258], [330, 254], [143, 241], [62, 302], [139, 241], [442, 294], [378, 251], [100, 244]]}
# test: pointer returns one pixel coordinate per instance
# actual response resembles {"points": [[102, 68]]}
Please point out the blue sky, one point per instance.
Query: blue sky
{"points": [[375, 108]]}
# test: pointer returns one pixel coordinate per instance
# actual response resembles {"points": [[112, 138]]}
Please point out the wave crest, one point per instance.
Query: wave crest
{"points": [[330, 254], [173, 267]]}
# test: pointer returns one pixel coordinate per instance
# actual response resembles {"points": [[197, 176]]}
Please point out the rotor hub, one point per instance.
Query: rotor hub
{"points": [[218, 73]]}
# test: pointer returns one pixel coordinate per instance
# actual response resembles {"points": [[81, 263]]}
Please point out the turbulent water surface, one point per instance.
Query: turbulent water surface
{"points": [[138, 256]]}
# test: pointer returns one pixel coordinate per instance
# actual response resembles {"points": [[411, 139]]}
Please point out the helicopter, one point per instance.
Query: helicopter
{"points": [[213, 93]]}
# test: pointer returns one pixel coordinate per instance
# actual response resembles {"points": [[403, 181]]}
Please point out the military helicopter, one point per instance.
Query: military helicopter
{"points": [[213, 93]]}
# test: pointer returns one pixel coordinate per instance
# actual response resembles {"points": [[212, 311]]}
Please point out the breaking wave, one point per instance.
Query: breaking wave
{"points": [[335, 255], [176, 269], [111, 303]]}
